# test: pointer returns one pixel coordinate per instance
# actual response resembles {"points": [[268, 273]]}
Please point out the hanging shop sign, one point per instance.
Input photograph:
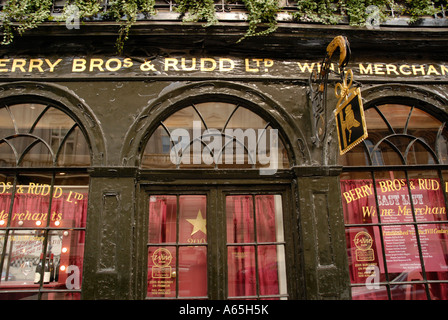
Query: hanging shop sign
{"points": [[349, 114]]}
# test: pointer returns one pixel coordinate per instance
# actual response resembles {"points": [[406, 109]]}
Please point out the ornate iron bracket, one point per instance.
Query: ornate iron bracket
{"points": [[317, 90]]}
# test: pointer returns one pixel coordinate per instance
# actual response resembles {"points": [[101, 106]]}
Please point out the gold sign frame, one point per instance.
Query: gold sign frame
{"points": [[354, 118]]}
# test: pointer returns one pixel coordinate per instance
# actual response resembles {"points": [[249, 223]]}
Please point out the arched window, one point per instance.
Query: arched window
{"points": [[217, 239], [43, 202], [394, 188], [215, 135]]}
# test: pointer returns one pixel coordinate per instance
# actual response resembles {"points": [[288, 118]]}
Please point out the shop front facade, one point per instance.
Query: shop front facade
{"points": [[187, 168]]}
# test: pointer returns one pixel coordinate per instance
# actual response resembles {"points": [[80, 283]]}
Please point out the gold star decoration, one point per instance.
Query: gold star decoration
{"points": [[199, 224]]}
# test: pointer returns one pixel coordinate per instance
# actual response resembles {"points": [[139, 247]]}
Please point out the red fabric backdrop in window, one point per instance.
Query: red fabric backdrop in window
{"points": [[30, 208], [400, 245], [242, 259]]}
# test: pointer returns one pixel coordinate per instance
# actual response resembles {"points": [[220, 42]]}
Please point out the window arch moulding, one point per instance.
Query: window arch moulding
{"points": [[59, 100], [420, 99], [184, 96], [215, 135], [40, 135], [400, 135], [44, 158], [408, 146]]}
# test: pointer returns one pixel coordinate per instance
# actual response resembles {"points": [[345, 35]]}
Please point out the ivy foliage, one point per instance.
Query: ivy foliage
{"points": [[358, 11], [18, 16], [261, 12], [29, 14], [321, 11], [126, 12], [197, 10]]}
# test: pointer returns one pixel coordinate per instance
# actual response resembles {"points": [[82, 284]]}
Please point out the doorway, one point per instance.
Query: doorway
{"points": [[220, 242]]}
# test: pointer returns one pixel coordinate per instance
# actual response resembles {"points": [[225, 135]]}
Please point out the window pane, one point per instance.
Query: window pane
{"points": [[25, 115], [7, 127], [397, 115], [61, 296], [192, 219], [162, 219], [192, 271], [376, 123], [70, 200], [434, 242], [215, 135], [245, 118], [269, 218], [215, 114], [271, 270], [439, 291], [183, 118], [7, 156], [240, 219], [358, 155], [258, 270], [358, 199], [51, 125], [66, 249], [442, 148], [37, 154], [409, 292], [32, 201], [428, 196], [47, 206], [390, 153], [394, 208], [42, 137], [24, 295], [74, 150], [157, 151], [425, 126], [401, 125], [6, 186], [411, 208], [371, 293], [241, 271], [418, 154], [22, 254], [161, 272], [63, 262], [365, 255]]}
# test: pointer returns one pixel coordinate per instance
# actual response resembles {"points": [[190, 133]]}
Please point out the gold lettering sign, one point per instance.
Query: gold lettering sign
{"points": [[75, 66], [363, 242], [162, 259]]}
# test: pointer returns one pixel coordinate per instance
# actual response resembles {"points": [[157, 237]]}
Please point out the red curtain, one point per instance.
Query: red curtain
{"points": [[192, 272], [31, 208], [364, 243], [242, 259], [31, 211], [191, 269]]}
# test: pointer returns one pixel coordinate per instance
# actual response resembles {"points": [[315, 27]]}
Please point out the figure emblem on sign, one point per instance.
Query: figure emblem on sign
{"points": [[349, 122]]}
